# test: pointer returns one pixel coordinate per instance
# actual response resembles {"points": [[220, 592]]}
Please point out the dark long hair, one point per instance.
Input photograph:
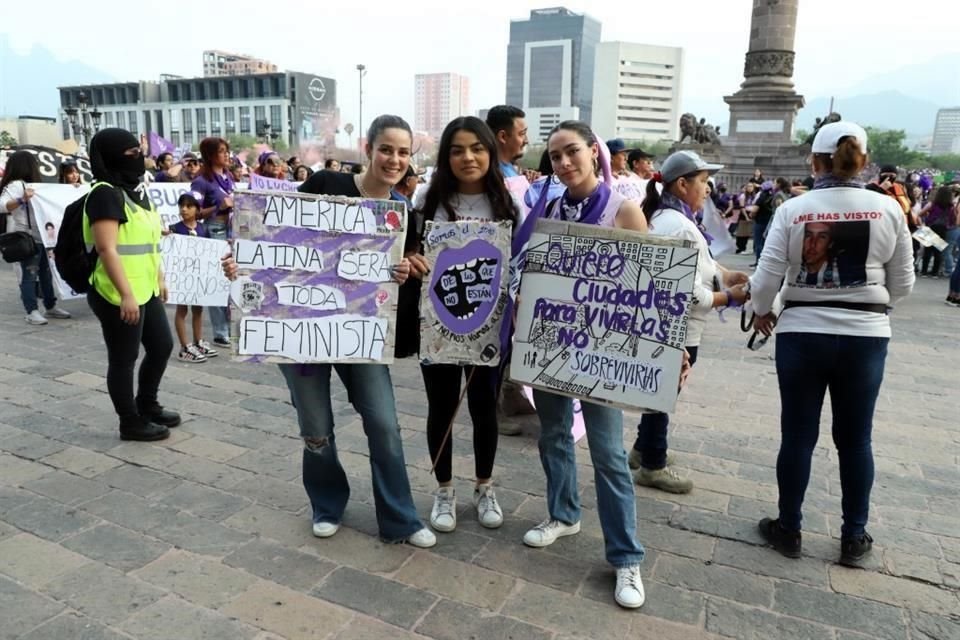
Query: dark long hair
{"points": [[65, 168], [944, 198], [209, 150], [652, 200], [444, 185], [21, 165]]}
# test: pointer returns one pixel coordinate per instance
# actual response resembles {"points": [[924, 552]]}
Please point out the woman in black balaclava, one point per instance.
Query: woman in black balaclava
{"points": [[127, 287]]}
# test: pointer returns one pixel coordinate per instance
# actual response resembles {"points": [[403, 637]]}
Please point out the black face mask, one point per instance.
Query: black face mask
{"points": [[109, 162], [131, 169]]}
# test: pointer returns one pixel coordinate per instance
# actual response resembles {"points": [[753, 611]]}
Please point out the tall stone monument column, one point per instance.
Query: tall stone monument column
{"points": [[763, 111]]}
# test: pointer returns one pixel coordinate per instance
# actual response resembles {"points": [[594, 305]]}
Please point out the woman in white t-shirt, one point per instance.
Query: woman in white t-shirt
{"points": [[845, 256], [22, 167], [684, 178], [466, 185]]}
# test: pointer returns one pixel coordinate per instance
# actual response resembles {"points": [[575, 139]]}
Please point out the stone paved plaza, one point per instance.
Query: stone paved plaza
{"points": [[206, 535]]}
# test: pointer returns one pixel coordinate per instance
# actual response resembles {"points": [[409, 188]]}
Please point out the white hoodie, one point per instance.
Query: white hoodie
{"points": [[839, 244]]}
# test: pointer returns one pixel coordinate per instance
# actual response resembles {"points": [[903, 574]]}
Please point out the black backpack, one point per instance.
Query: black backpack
{"points": [[74, 263]]}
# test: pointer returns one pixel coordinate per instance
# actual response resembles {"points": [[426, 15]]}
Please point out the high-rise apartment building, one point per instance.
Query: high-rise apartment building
{"points": [[223, 63], [550, 65], [636, 91], [946, 132], [439, 98]]}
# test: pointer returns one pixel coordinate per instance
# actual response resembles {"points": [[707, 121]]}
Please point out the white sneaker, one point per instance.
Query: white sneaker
{"points": [[423, 539], [58, 313], [629, 593], [443, 516], [35, 317], [488, 510], [190, 354], [325, 529], [547, 532]]}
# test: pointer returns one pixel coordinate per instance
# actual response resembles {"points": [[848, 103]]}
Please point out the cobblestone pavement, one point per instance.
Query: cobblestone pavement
{"points": [[206, 535]]}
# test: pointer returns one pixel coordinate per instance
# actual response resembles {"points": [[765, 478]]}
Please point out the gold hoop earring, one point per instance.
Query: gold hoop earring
{"points": [[596, 166]]}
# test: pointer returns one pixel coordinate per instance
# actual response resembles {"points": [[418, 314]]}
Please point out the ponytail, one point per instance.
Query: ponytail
{"points": [[652, 200], [846, 162]]}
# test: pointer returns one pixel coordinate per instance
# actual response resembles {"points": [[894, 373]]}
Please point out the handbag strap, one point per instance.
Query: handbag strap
{"points": [[26, 204]]}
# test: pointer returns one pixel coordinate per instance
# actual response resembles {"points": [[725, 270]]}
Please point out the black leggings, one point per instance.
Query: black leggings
{"points": [[123, 346], [442, 382]]}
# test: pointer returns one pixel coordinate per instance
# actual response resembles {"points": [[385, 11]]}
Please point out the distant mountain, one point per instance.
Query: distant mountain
{"points": [[28, 83], [904, 98], [886, 110], [936, 80]]}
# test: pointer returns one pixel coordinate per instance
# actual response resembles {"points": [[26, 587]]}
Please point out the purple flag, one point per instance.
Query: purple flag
{"points": [[160, 145]]}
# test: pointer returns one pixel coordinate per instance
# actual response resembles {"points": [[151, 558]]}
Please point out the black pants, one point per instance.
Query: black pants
{"points": [[442, 382], [123, 346], [651, 439], [933, 252]]}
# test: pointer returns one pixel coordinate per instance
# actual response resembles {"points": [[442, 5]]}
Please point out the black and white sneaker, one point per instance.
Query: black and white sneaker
{"points": [[204, 347], [191, 355]]}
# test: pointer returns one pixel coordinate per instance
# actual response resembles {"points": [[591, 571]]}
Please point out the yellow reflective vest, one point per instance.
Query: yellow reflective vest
{"points": [[138, 245]]}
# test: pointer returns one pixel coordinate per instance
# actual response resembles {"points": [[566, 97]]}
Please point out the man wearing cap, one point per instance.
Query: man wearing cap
{"points": [[640, 163], [625, 182], [191, 167], [887, 184]]}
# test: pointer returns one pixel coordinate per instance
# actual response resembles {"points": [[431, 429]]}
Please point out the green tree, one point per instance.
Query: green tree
{"points": [[947, 162], [240, 142], [7, 140], [800, 136], [887, 147]]}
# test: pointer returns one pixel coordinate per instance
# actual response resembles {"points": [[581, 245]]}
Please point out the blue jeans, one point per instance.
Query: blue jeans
{"points": [[370, 391], [955, 279], [651, 439], [219, 316], [952, 237], [851, 367], [616, 503], [758, 239], [32, 270]]}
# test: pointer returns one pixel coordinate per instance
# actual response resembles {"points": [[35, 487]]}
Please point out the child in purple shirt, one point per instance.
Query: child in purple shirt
{"points": [[199, 350]]}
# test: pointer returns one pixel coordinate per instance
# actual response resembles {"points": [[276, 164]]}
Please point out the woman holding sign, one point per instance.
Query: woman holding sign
{"points": [[576, 158], [215, 188], [369, 387], [465, 186], [684, 177]]}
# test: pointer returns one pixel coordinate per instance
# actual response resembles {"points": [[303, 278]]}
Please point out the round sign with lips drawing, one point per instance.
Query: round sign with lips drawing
{"points": [[316, 89], [465, 286]]}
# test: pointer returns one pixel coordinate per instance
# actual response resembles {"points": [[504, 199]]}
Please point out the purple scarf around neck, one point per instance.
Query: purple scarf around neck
{"points": [[670, 201], [585, 211]]}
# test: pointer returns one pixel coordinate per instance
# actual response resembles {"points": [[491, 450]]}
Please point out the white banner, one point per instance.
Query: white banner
{"points": [[716, 226], [191, 278], [47, 204]]}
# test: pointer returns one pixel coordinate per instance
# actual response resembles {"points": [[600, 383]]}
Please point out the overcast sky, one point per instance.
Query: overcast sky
{"points": [[838, 41]]}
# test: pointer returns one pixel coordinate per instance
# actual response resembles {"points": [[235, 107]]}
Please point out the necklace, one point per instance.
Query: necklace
{"points": [[470, 202], [358, 180]]}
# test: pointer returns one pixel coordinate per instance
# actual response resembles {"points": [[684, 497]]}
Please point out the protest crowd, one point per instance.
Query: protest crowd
{"points": [[833, 252]]}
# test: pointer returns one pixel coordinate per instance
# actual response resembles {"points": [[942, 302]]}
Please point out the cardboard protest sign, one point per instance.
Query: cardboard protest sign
{"points": [[462, 303], [261, 183], [603, 314], [316, 277], [929, 238], [191, 266]]}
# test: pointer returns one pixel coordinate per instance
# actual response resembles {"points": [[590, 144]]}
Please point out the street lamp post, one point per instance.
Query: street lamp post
{"points": [[84, 122], [362, 70]]}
